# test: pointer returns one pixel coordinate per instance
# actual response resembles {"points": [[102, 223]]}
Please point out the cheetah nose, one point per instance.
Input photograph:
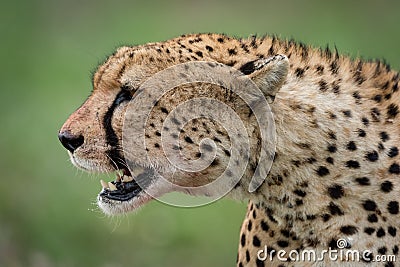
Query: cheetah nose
{"points": [[70, 141]]}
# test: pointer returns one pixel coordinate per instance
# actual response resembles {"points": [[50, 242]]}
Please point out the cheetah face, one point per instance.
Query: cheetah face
{"points": [[95, 134]]}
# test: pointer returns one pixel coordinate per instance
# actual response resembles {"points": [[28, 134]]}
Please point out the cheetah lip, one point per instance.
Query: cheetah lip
{"points": [[125, 185]]}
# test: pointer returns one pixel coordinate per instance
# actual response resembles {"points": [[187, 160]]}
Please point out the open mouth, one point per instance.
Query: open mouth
{"points": [[127, 185]]}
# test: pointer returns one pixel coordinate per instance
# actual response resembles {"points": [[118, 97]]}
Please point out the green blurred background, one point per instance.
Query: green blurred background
{"points": [[48, 50]]}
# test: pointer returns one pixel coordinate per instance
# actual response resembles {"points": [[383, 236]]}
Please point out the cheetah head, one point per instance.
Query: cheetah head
{"points": [[94, 133]]}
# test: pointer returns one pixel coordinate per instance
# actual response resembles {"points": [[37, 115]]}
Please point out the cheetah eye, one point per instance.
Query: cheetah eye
{"points": [[123, 95]]}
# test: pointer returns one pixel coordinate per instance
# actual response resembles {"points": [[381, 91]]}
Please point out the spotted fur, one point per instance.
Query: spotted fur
{"points": [[336, 171]]}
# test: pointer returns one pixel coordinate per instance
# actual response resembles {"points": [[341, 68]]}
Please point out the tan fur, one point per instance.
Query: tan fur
{"points": [[333, 164]]}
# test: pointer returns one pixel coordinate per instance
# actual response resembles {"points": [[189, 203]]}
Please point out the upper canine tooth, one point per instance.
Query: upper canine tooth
{"points": [[103, 184], [118, 179], [112, 186], [126, 179]]}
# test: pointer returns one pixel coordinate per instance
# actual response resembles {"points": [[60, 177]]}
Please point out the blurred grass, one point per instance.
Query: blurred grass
{"points": [[49, 48]]}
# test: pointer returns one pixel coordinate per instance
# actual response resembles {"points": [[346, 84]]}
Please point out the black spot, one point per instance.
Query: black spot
{"points": [[299, 202], [394, 168], [386, 186], [348, 230], [382, 250], [232, 51], [380, 232], [156, 145], [393, 207], [164, 110], [369, 205], [351, 146], [365, 121], [188, 140], [336, 191], [247, 255], [363, 181], [333, 244], [264, 226], [369, 230], [372, 156], [326, 217], [323, 86], [393, 152], [254, 214], [259, 263], [361, 133], [384, 136], [329, 160], [249, 226], [300, 193], [320, 69], [336, 88], [322, 171], [243, 240], [395, 249], [216, 139], [285, 233], [392, 111], [332, 148], [158, 133], [283, 243], [199, 53], [372, 218], [299, 72], [392, 230], [356, 95], [256, 241], [347, 113], [352, 164], [311, 217], [334, 209], [209, 48], [377, 98]]}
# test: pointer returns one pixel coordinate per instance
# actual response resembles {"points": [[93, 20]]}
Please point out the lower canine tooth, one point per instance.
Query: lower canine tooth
{"points": [[126, 179], [103, 184], [112, 186]]}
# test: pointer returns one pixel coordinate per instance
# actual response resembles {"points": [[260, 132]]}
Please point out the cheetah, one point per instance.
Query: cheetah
{"points": [[335, 174]]}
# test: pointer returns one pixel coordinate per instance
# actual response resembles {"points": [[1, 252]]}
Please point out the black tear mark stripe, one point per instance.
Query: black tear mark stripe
{"points": [[113, 153]]}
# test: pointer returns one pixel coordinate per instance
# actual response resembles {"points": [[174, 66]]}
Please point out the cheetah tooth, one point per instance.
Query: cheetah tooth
{"points": [[112, 186], [103, 184], [126, 179]]}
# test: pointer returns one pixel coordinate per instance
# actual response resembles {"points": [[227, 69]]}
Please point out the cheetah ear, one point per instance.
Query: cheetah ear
{"points": [[268, 74]]}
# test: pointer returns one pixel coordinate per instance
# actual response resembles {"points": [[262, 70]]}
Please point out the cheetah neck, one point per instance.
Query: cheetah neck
{"points": [[337, 135]]}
